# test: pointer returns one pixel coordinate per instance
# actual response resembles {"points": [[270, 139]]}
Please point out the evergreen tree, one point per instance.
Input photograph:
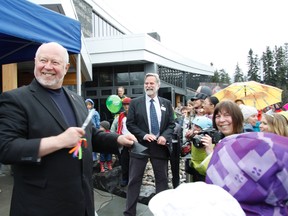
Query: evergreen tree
{"points": [[253, 67], [281, 68], [224, 77], [286, 52], [216, 77], [238, 75], [268, 67]]}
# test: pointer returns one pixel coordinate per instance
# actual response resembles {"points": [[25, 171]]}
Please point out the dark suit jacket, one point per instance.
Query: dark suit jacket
{"points": [[58, 184], [137, 124]]}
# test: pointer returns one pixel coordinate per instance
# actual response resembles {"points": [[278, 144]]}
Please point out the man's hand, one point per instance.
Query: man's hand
{"points": [[126, 140], [161, 140], [150, 137], [67, 139], [71, 137]]}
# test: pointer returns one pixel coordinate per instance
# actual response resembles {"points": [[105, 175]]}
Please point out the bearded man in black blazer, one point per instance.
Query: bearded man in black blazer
{"points": [[158, 144], [39, 124]]}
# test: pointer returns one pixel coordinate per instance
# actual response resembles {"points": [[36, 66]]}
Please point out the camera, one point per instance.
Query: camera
{"points": [[213, 133]]}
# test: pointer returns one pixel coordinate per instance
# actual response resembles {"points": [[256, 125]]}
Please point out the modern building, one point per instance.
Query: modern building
{"points": [[112, 55]]}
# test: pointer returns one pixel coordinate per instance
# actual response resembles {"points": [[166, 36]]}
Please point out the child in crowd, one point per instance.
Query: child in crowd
{"points": [[105, 158], [119, 126], [96, 123], [198, 150], [250, 115]]}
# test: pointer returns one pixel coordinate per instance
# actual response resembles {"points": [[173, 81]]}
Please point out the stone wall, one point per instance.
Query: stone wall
{"points": [[84, 13]]}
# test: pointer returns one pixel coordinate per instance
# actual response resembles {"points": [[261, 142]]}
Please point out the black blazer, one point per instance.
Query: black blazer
{"points": [[58, 184], [137, 124]]}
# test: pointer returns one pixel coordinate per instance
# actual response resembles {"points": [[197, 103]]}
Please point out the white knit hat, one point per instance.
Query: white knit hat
{"points": [[248, 111], [197, 198]]}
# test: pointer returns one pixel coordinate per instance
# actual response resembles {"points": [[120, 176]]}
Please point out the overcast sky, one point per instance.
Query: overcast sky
{"points": [[218, 31]]}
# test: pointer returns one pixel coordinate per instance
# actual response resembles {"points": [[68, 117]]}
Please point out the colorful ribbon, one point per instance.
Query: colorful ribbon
{"points": [[77, 150]]}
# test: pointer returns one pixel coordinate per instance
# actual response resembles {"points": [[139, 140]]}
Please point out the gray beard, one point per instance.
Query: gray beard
{"points": [[49, 84]]}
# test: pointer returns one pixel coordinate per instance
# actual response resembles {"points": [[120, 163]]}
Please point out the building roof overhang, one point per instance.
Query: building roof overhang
{"points": [[140, 48]]}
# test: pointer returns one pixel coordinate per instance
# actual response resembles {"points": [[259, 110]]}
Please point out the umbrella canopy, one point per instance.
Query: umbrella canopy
{"points": [[252, 93]]}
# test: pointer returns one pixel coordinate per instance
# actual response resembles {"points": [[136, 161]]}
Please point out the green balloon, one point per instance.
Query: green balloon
{"points": [[114, 103]]}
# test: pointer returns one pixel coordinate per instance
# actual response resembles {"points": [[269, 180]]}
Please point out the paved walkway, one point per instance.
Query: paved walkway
{"points": [[106, 204]]}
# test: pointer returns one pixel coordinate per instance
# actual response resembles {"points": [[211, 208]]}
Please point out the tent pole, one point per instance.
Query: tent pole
{"points": [[78, 76]]}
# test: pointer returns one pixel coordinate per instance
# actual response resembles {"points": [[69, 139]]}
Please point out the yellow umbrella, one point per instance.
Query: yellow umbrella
{"points": [[252, 93]]}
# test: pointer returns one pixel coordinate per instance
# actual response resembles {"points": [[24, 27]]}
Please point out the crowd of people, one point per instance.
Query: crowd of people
{"points": [[235, 146], [217, 155]]}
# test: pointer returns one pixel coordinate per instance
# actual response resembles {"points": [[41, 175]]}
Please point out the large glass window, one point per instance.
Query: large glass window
{"points": [[121, 75], [106, 92], [121, 79], [138, 90], [137, 68], [91, 93], [105, 76], [172, 76], [89, 84], [137, 78], [193, 80]]}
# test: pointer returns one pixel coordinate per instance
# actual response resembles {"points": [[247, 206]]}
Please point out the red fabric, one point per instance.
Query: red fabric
{"points": [[259, 115], [120, 122]]}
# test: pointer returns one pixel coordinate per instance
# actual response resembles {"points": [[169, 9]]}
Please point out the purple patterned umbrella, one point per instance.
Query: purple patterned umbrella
{"points": [[253, 167]]}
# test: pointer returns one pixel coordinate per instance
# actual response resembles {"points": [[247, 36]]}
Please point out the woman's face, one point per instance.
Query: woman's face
{"points": [[252, 119], [264, 125], [224, 122]]}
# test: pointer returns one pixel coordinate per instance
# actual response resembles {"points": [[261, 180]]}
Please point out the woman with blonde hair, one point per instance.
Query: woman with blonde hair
{"points": [[274, 123]]}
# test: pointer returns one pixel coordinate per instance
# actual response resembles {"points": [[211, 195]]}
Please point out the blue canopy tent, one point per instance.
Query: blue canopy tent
{"points": [[25, 25]]}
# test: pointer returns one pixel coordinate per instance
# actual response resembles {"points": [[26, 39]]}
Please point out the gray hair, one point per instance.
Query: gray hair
{"points": [[154, 75], [66, 57]]}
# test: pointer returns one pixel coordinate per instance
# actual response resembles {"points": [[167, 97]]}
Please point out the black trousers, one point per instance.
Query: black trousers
{"points": [[175, 163], [124, 161], [136, 171], [195, 175]]}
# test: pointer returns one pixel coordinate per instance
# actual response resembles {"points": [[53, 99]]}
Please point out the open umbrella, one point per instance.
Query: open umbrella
{"points": [[252, 93]]}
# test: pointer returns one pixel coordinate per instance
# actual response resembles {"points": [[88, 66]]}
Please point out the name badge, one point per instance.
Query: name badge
{"points": [[163, 108]]}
